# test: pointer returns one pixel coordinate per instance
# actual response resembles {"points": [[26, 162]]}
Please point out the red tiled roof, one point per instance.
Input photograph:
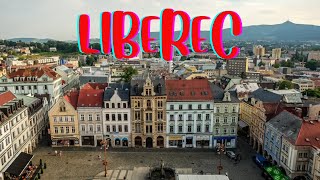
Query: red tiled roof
{"points": [[72, 98], [309, 134], [188, 90], [37, 72], [6, 97], [95, 86], [316, 83], [90, 98]]}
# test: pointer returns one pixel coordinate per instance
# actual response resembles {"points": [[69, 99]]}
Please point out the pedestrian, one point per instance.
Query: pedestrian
{"points": [[68, 144], [99, 157], [56, 152], [60, 153]]}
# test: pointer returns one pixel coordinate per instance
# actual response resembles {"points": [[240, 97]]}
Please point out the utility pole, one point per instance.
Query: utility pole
{"points": [[220, 150], [105, 143]]}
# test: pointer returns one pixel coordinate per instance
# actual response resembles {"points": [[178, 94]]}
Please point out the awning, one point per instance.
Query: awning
{"points": [[242, 124], [19, 164]]}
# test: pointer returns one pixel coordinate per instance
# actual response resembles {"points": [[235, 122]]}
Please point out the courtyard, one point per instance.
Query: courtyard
{"points": [[84, 163]]}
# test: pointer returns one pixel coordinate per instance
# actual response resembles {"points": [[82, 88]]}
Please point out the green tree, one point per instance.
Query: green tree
{"points": [[90, 60], [312, 93], [276, 65], [128, 72], [285, 84], [183, 58], [312, 64], [261, 64]]}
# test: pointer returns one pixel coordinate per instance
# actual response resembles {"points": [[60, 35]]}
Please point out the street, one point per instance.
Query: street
{"points": [[84, 163]]}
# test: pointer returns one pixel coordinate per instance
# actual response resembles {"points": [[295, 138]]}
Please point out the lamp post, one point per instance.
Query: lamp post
{"points": [[105, 143], [220, 150]]}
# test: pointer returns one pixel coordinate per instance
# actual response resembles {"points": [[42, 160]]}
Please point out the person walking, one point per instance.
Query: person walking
{"points": [[60, 153], [56, 152]]}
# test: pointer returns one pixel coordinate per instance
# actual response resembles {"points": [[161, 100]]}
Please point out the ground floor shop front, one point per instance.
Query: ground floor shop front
{"points": [[156, 141], [65, 141], [189, 141], [118, 140], [227, 141]]}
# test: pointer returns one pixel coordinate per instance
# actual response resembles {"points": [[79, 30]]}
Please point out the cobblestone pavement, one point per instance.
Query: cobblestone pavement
{"points": [[83, 163]]}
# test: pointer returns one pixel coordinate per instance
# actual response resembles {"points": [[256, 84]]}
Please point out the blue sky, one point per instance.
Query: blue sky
{"points": [[57, 18]]}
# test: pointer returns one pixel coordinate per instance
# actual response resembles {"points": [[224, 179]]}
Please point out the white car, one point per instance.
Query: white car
{"points": [[231, 154]]}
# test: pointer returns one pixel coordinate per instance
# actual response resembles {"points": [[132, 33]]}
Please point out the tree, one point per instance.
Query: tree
{"points": [[285, 84], [276, 65], [288, 63], [312, 93], [90, 60], [183, 58], [261, 64], [128, 72], [312, 64]]}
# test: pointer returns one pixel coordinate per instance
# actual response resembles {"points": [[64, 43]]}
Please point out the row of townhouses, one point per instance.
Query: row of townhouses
{"points": [[150, 112]]}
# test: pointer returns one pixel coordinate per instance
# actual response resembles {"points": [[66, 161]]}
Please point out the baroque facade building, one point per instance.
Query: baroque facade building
{"points": [[148, 112]]}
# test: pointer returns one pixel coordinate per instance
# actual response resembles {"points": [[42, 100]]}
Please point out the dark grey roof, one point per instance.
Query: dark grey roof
{"points": [[123, 91], [138, 82], [287, 124], [18, 165], [266, 96], [218, 94], [97, 79]]}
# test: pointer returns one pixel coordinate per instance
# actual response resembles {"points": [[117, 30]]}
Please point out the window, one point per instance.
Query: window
{"points": [[60, 119], [113, 117], [207, 128], [90, 117], [56, 130], [61, 130], [107, 105], [208, 106], [120, 128], [107, 117], [199, 106], [190, 107], [119, 105], [81, 117], [112, 105], [114, 128], [207, 117], [125, 128], [171, 117], [98, 128], [300, 155], [217, 131], [180, 117], [98, 117], [199, 116], [224, 130], [171, 107], [124, 105], [218, 110], [160, 115], [171, 129], [225, 120], [108, 128], [66, 119], [137, 115], [73, 129], [234, 109], [17, 88], [125, 117], [160, 127], [217, 119], [148, 104], [180, 128], [72, 119], [67, 130], [233, 119], [198, 128], [180, 107], [45, 87], [83, 128], [35, 87], [189, 117], [148, 116], [189, 128], [119, 117], [55, 119], [91, 128], [160, 104], [136, 104], [226, 109]]}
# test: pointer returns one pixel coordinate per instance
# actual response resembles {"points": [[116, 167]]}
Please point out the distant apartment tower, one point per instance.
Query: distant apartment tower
{"points": [[315, 55], [259, 50], [276, 53], [237, 66]]}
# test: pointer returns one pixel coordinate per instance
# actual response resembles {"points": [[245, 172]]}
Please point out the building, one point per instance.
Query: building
{"points": [[148, 112], [38, 121], [303, 84], [69, 78], [89, 109], [237, 66], [276, 53], [189, 113], [15, 135], [314, 55], [116, 114], [33, 81], [63, 118], [284, 124], [259, 50], [225, 117], [94, 75]]}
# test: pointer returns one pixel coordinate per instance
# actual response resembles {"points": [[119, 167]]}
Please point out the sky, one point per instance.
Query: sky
{"points": [[57, 19]]}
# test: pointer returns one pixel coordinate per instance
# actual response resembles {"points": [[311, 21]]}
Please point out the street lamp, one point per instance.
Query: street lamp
{"points": [[220, 150], [105, 143]]}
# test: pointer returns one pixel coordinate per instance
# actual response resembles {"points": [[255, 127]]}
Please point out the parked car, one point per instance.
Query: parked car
{"points": [[231, 154]]}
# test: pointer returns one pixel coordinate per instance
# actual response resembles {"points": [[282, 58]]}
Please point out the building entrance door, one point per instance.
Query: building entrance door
{"points": [[149, 142]]}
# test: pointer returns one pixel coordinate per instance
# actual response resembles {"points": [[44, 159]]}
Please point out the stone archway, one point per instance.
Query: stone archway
{"points": [[149, 142], [160, 141], [138, 141]]}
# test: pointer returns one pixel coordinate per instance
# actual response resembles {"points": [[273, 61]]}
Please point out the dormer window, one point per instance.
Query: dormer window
{"points": [[62, 107]]}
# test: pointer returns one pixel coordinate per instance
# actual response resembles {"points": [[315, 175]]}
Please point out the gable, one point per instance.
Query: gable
{"points": [[55, 110]]}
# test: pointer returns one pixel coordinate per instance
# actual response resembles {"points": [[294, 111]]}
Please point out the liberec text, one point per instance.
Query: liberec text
{"points": [[113, 38]]}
